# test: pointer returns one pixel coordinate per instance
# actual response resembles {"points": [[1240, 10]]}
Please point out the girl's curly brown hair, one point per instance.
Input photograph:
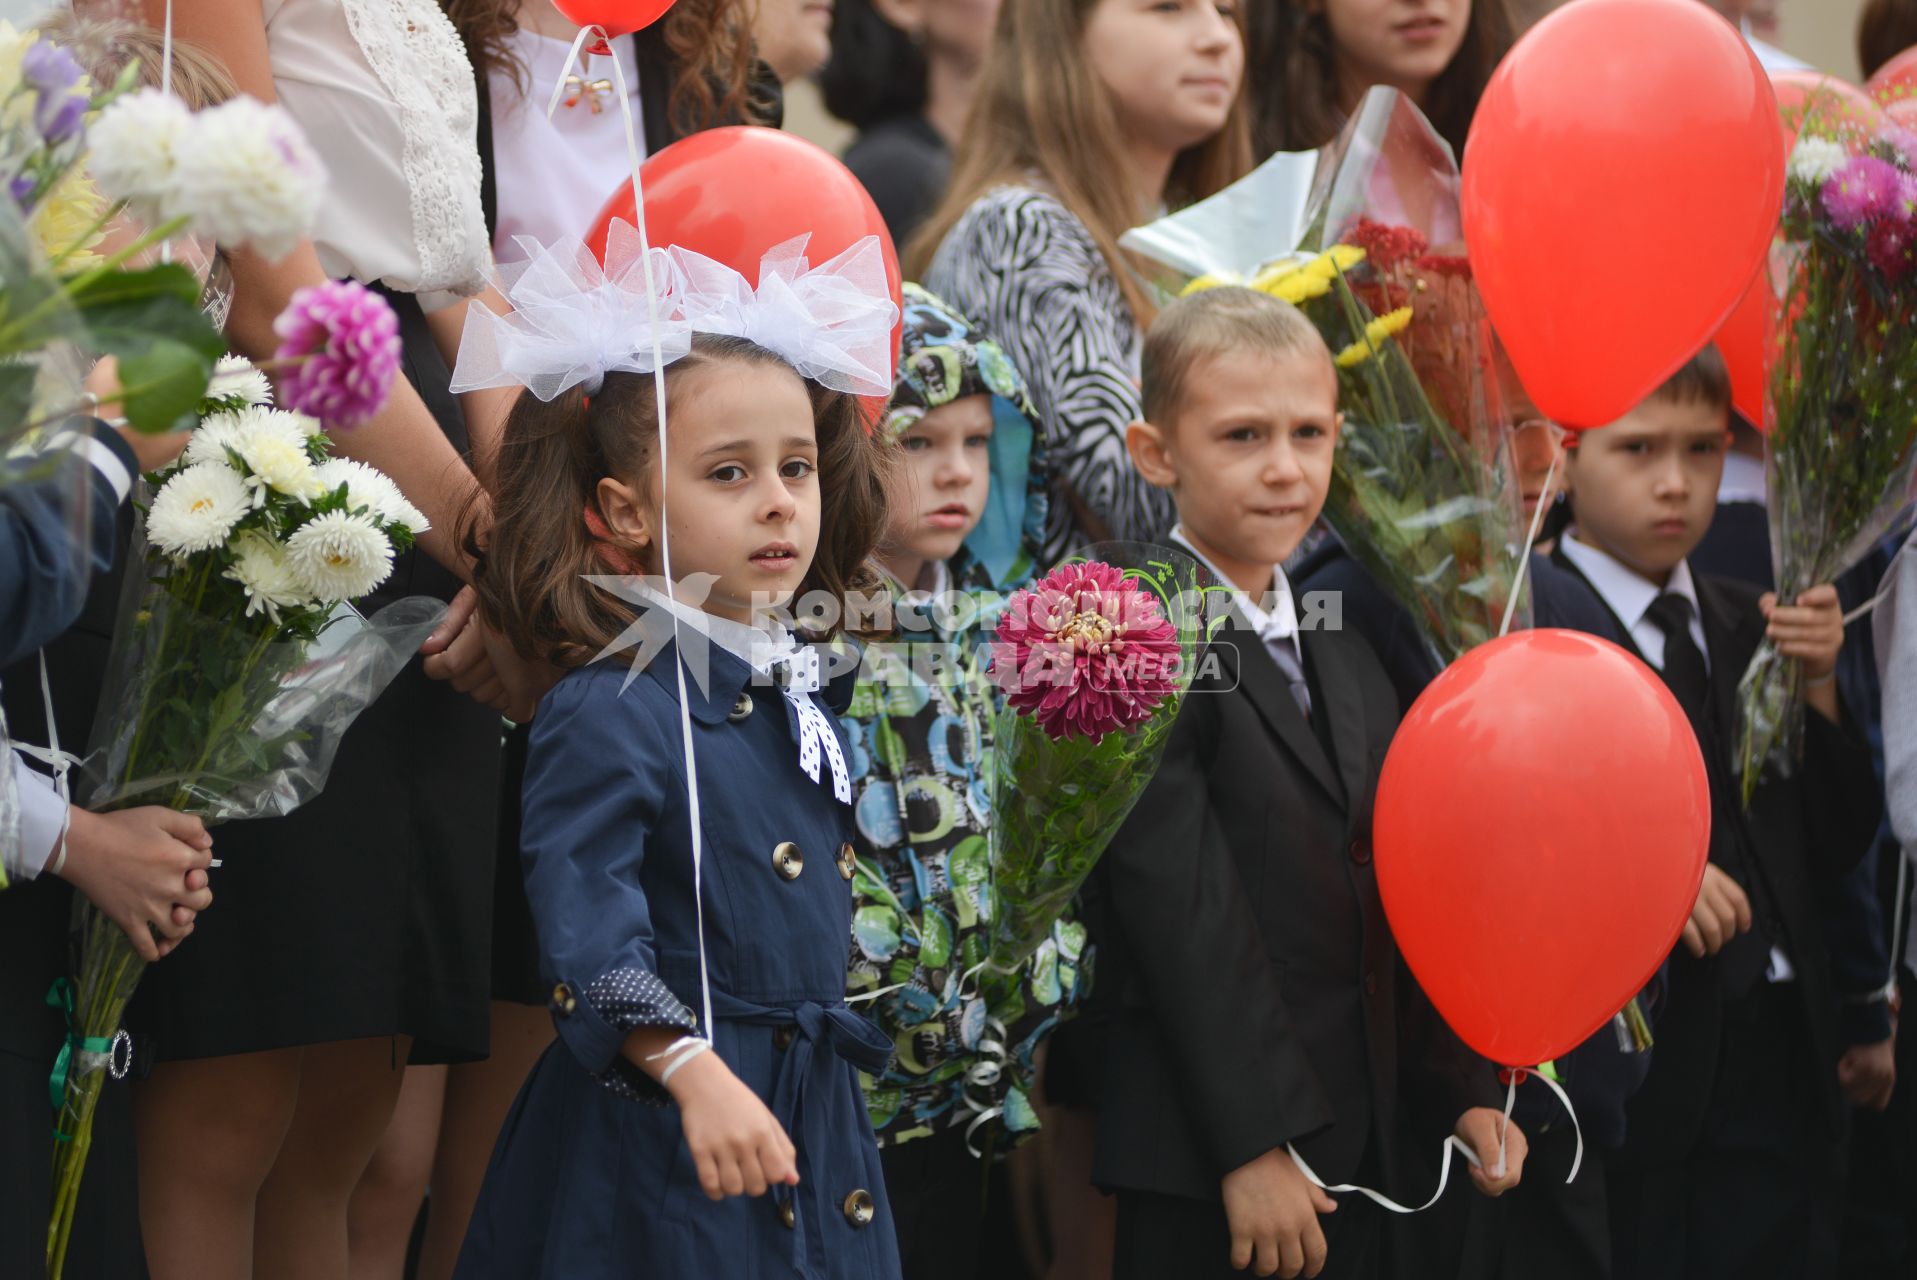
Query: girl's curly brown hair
{"points": [[531, 562]]}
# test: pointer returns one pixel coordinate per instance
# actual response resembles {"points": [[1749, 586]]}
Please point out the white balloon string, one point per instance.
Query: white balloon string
{"points": [[166, 91], [665, 491], [1455, 1143], [1524, 552]]}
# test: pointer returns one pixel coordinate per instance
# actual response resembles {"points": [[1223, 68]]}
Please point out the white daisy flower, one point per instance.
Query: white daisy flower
{"points": [[1814, 159], [235, 379], [375, 491], [134, 151], [197, 508], [340, 556], [264, 569], [247, 175], [222, 431]]}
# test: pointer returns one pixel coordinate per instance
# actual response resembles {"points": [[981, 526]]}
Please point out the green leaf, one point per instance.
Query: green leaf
{"points": [[152, 321], [16, 396]]}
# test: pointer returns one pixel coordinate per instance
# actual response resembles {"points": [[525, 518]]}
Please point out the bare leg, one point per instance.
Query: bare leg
{"points": [[478, 1095], [209, 1131], [347, 1093], [380, 1217]]}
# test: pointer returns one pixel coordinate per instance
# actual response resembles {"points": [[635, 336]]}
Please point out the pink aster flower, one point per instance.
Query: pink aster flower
{"points": [[1086, 652], [340, 342], [1866, 187]]}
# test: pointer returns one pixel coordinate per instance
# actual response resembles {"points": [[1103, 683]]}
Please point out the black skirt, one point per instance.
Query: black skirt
{"points": [[367, 912]]}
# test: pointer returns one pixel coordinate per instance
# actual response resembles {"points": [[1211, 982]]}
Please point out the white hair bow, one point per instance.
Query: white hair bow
{"points": [[574, 321]]}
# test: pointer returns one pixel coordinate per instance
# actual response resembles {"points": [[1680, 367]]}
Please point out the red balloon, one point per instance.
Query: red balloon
{"points": [[1896, 80], [614, 17], [1622, 181], [1746, 338], [1534, 884], [1903, 111], [732, 194]]}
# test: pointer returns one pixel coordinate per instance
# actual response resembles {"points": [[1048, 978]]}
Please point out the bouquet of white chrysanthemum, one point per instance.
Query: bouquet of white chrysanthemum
{"points": [[237, 666]]}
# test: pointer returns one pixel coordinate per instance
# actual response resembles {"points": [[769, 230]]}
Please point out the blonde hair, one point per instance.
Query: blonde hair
{"points": [[1213, 323], [105, 48], [1042, 111]]}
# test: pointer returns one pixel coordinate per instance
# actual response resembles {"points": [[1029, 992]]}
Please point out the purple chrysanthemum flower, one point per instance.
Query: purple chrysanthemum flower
{"points": [[1865, 188], [22, 189], [342, 342], [53, 73]]}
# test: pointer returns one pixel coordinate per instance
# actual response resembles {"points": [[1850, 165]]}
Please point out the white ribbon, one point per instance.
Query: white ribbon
{"points": [[1524, 552], [665, 490], [1455, 1143], [816, 736]]}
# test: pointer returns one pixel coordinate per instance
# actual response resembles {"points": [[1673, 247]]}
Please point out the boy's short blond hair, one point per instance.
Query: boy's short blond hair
{"points": [[1216, 322]]}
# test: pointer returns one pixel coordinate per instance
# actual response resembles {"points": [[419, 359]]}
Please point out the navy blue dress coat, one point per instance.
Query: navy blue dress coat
{"points": [[591, 1175]]}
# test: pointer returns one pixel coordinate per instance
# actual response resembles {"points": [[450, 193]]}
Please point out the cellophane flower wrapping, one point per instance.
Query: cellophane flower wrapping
{"points": [[235, 671], [1094, 659], [1365, 237], [1841, 403]]}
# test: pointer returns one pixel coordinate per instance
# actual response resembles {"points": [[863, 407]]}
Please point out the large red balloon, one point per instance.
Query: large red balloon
{"points": [[732, 194], [614, 17], [1896, 79], [1746, 338], [1540, 834], [1622, 180]]}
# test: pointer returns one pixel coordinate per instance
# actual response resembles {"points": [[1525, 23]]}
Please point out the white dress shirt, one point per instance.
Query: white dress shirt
{"points": [[1275, 620], [1631, 595], [553, 175], [43, 818]]}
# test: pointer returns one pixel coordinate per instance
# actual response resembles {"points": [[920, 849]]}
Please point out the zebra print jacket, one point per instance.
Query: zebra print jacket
{"points": [[1023, 265]]}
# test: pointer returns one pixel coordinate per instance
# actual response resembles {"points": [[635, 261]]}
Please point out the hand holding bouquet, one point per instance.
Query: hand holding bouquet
{"points": [[235, 671], [1842, 395]]}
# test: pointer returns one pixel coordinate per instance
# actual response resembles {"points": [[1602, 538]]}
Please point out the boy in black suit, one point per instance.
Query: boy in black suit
{"points": [[1733, 1148], [1261, 1000]]}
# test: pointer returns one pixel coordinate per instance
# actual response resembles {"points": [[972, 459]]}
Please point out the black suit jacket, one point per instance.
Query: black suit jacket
{"points": [[1260, 999], [1799, 831]]}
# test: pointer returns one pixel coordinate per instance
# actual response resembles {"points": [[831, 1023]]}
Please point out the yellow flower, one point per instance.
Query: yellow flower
{"points": [[1277, 271], [1385, 326], [1299, 287], [1335, 261], [1209, 280], [64, 222]]}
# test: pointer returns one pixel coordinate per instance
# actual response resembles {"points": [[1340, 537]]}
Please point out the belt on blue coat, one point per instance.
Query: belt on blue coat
{"points": [[826, 1035]]}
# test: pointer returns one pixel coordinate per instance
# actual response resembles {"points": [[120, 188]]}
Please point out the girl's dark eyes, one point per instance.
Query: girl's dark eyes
{"points": [[980, 441], [1308, 432], [1242, 434], [727, 474], [915, 444], [797, 469]]}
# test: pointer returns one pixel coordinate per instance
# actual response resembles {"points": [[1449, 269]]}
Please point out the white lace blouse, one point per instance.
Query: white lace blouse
{"points": [[386, 96]]}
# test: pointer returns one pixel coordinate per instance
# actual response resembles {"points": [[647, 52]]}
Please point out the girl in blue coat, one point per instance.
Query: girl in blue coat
{"points": [[699, 1114]]}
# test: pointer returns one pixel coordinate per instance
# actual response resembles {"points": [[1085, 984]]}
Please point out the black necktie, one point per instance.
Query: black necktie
{"points": [[1684, 670], [1746, 957]]}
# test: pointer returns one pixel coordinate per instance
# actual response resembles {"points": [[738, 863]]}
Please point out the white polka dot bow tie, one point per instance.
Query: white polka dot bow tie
{"points": [[797, 672]]}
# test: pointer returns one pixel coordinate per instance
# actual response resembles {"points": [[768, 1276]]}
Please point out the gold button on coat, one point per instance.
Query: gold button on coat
{"points": [[741, 708], [787, 860], [788, 1216], [848, 861], [782, 1036], [858, 1208], [563, 1000]]}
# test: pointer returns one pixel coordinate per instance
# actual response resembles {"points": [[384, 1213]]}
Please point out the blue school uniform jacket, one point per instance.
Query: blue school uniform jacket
{"points": [[591, 1175]]}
